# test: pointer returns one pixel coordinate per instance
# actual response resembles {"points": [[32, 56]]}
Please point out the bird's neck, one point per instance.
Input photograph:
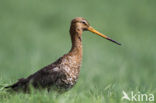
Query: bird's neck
{"points": [[76, 39]]}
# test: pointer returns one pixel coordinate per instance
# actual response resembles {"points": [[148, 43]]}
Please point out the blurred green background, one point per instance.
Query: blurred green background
{"points": [[34, 33]]}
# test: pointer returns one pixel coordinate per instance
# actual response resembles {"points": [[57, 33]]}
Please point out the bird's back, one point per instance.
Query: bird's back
{"points": [[62, 74]]}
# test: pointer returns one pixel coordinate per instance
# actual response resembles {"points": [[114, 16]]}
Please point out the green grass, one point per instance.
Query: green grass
{"points": [[34, 33]]}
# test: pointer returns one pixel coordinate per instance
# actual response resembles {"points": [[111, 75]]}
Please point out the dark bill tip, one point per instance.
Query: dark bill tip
{"points": [[113, 41]]}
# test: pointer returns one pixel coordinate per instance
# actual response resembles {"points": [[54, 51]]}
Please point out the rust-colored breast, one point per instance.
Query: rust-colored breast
{"points": [[69, 69]]}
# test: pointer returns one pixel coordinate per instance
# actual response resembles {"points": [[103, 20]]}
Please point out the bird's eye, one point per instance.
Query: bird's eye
{"points": [[84, 22]]}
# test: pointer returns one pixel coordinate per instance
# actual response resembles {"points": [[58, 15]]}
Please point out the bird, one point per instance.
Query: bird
{"points": [[62, 74]]}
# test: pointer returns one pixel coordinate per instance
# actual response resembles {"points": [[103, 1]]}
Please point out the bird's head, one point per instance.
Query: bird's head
{"points": [[80, 24]]}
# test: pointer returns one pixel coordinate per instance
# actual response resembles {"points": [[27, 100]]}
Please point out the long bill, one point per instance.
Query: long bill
{"points": [[91, 29]]}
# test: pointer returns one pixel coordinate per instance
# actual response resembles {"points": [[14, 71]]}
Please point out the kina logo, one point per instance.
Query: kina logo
{"points": [[137, 96]]}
